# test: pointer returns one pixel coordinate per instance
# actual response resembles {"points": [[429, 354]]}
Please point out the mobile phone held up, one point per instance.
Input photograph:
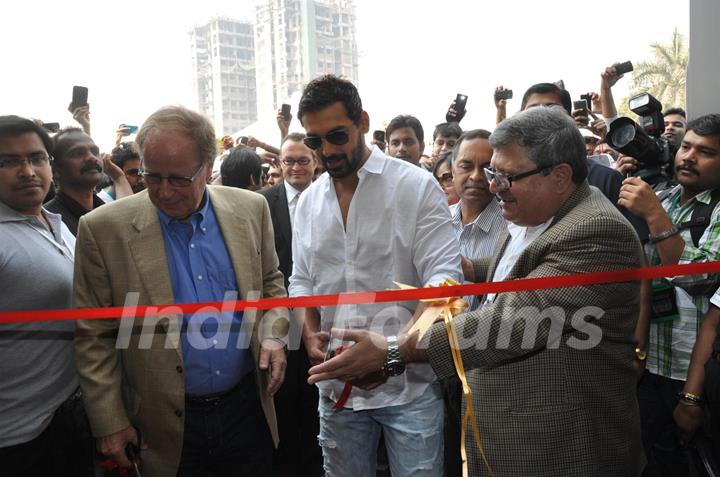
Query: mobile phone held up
{"points": [[51, 127], [286, 111], [79, 98], [503, 94], [622, 68], [580, 105], [128, 128], [588, 101], [459, 107]]}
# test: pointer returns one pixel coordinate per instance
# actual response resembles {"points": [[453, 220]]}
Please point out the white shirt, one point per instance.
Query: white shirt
{"points": [[105, 195], [292, 195], [478, 238], [398, 228], [520, 239]]}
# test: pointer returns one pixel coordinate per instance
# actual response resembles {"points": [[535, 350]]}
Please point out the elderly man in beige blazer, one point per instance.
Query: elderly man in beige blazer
{"points": [[199, 407]]}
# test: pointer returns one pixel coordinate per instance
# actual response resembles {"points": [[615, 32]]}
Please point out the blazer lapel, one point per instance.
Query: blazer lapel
{"points": [[529, 257], [497, 254], [282, 212], [147, 248], [234, 227]]}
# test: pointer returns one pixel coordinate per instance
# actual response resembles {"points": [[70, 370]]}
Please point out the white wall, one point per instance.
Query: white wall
{"points": [[703, 91]]}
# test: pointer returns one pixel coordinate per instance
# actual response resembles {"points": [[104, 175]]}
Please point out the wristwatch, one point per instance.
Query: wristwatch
{"points": [[393, 365], [640, 354], [674, 230]]}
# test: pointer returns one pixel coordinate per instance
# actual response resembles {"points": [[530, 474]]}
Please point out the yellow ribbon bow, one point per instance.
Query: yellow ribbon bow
{"points": [[446, 309]]}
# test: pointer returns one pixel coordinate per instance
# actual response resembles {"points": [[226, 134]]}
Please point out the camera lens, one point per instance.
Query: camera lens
{"points": [[624, 135]]}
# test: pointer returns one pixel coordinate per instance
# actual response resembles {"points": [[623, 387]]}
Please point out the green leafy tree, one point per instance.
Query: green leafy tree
{"points": [[664, 77]]}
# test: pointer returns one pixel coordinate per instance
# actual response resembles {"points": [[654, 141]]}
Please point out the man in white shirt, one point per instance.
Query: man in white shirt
{"points": [[367, 222], [296, 402]]}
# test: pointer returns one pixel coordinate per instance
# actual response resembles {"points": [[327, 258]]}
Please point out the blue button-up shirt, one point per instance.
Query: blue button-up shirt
{"points": [[216, 352]]}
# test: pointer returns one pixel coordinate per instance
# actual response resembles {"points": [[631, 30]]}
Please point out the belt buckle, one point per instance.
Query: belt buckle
{"points": [[68, 403], [211, 399], [206, 400]]}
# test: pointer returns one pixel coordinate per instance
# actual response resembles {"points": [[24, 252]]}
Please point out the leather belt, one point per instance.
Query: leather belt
{"points": [[214, 398], [71, 400], [208, 398]]}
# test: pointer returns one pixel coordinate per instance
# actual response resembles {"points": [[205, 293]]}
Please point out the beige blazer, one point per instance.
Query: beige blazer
{"points": [[120, 256]]}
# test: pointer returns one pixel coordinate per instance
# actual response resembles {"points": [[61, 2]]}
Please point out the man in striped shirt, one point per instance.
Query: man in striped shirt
{"points": [[671, 339], [478, 223], [476, 219]]}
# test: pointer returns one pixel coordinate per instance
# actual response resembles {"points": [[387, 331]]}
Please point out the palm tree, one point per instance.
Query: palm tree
{"points": [[664, 77]]}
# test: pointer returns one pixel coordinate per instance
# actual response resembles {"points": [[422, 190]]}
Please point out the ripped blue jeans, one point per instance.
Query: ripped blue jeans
{"points": [[413, 436]]}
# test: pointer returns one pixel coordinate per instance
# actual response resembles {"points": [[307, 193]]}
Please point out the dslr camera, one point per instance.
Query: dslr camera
{"points": [[644, 141]]}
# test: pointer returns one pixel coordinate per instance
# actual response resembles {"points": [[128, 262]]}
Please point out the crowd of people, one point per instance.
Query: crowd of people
{"points": [[618, 379]]}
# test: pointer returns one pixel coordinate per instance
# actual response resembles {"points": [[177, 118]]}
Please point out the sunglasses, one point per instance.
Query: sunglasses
{"points": [[338, 137]]}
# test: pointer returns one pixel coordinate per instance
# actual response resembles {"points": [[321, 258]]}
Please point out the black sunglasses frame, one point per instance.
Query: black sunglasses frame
{"points": [[337, 137]]}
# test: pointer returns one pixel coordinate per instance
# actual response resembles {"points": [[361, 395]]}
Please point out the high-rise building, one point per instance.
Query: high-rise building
{"points": [[223, 57], [297, 40]]}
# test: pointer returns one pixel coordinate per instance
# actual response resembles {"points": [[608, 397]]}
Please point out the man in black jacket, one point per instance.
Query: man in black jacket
{"points": [[296, 402]]}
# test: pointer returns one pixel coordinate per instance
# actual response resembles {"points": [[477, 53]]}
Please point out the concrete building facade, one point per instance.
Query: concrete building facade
{"points": [[297, 40], [223, 62]]}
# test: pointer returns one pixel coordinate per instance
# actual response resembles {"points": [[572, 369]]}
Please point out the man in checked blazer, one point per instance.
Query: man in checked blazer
{"points": [[551, 371], [198, 387]]}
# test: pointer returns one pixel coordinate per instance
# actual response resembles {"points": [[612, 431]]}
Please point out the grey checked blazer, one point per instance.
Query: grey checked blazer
{"points": [[557, 409]]}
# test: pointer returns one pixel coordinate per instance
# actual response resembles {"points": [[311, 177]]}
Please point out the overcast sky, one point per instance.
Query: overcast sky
{"points": [[415, 55]]}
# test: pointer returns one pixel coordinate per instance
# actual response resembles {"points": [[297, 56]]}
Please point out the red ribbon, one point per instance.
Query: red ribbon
{"points": [[111, 465], [345, 395], [582, 279]]}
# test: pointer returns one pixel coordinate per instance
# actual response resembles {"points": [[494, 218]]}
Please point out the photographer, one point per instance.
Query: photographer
{"points": [[667, 129], [673, 240]]}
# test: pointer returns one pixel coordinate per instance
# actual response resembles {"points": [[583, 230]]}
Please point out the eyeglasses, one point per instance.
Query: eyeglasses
{"points": [[445, 178], [504, 181], [337, 137], [133, 172], [154, 178], [300, 162], [38, 160]]}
